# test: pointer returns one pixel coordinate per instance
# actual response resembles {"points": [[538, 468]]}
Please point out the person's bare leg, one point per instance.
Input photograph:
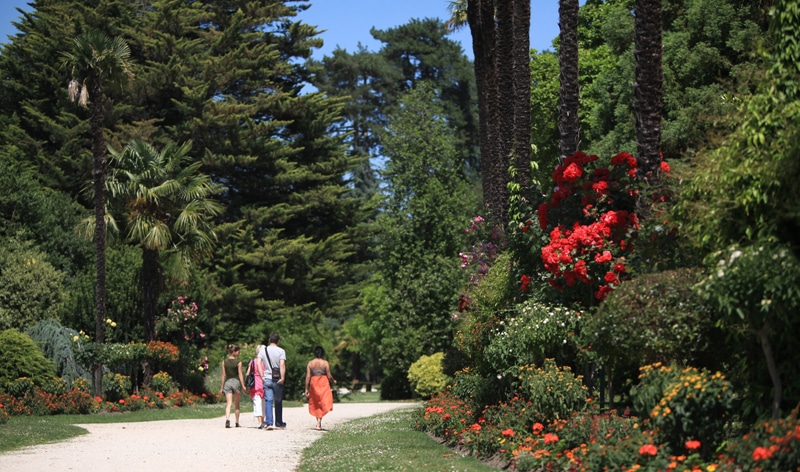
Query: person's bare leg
{"points": [[236, 400], [228, 401]]}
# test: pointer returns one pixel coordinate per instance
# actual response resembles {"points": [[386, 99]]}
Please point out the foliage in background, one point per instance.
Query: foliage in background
{"points": [[426, 375], [31, 289], [756, 290], [421, 236]]}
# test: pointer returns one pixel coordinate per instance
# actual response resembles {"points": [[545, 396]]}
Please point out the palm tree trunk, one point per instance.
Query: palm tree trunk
{"points": [[503, 113], [480, 16], [522, 92], [99, 183], [151, 290], [569, 93], [647, 87]]}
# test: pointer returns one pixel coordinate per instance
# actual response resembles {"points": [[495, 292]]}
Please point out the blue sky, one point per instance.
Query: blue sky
{"points": [[347, 22]]}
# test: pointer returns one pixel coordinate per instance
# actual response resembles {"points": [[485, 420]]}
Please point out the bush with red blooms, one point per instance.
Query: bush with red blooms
{"points": [[591, 221]]}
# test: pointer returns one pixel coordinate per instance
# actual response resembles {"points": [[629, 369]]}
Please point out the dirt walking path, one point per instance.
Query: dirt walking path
{"points": [[188, 445]]}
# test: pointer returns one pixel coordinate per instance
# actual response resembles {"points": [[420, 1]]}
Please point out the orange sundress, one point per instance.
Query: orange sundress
{"points": [[320, 397]]}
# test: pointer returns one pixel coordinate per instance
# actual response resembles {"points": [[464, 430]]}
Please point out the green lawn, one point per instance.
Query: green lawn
{"points": [[383, 442]]}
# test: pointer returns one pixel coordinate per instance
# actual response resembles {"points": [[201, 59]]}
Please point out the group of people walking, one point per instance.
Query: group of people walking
{"points": [[269, 368]]}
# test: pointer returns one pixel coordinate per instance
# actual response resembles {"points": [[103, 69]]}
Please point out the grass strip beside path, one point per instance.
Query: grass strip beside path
{"points": [[383, 442]]}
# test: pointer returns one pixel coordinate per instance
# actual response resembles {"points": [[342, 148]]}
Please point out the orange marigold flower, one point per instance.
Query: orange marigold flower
{"points": [[550, 438], [648, 450]]}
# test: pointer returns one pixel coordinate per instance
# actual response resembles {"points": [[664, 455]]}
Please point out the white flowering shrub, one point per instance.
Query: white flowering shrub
{"points": [[536, 332]]}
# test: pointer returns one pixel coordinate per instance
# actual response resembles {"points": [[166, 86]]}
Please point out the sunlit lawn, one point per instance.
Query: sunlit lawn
{"points": [[383, 442]]}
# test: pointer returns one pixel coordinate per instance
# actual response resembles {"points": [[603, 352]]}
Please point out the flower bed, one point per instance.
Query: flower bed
{"points": [[593, 440]]}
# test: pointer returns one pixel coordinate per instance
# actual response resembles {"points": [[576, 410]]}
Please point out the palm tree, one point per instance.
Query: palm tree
{"points": [[648, 86], [167, 208], [501, 47], [96, 59], [569, 125]]}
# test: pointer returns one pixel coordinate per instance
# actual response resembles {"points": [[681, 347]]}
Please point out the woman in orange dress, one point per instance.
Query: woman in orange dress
{"points": [[318, 387]]}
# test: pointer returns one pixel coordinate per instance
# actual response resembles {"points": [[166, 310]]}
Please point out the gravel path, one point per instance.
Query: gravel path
{"points": [[188, 445]]}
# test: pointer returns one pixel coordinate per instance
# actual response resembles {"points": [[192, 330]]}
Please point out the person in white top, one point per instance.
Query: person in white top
{"points": [[274, 380]]}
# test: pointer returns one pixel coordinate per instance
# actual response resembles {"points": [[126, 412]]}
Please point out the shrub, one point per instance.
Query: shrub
{"points": [[20, 387], [592, 427], [693, 404], [426, 375], [20, 357], [755, 290], [82, 384], [516, 417], [651, 318], [56, 342], [538, 331], [486, 307], [445, 416], [55, 386], [116, 386], [475, 389], [31, 289], [554, 392], [771, 446], [162, 382]]}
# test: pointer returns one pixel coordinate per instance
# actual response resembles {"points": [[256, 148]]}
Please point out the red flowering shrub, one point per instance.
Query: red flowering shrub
{"points": [[769, 446], [445, 416], [590, 218]]}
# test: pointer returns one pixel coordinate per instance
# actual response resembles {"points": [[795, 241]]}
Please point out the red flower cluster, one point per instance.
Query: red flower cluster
{"points": [[594, 221], [692, 445], [525, 281], [761, 453], [648, 450]]}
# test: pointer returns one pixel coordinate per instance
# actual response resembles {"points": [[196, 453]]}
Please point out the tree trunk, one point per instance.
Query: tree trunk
{"points": [[522, 93], [480, 16], [151, 290], [569, 92], [503, 113], [99, 184], [766, 346], [647, 86]]}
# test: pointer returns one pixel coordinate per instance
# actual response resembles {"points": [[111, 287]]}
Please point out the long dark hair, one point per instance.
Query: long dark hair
{"points": [[319, 353]]}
